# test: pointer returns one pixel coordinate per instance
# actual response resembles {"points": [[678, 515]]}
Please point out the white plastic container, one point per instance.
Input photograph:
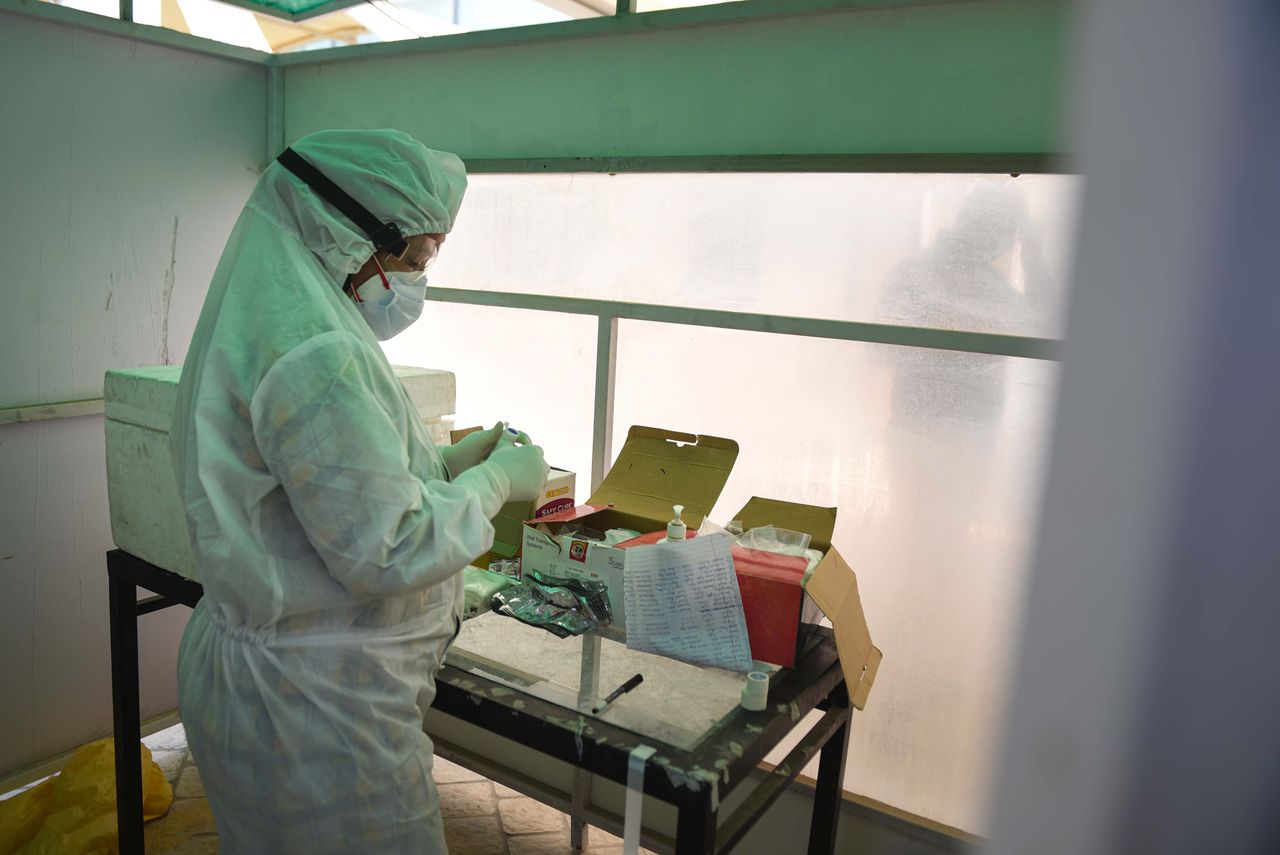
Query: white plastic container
{"points": [[147, 519]]}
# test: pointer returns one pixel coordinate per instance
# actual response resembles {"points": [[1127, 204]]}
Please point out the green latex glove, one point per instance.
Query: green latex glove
{"points": [[524, 468], [476, 447]]}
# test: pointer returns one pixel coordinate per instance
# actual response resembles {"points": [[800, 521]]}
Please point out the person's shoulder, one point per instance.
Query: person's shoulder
{"points": [[310, 368], [323, 347]]}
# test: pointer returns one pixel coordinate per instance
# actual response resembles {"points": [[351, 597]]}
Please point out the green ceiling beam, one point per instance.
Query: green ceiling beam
{"points": [[1011, 163]]}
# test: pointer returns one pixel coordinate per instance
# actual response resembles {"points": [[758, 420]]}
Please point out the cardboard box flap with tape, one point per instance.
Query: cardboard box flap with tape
{"points": [[656, 469]]}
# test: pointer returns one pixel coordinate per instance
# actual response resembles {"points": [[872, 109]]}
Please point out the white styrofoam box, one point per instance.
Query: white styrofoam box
{"points": [[147, 518]]}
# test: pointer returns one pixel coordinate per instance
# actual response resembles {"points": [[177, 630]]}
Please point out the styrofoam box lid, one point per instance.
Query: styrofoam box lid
{"points": [[145, 396]]}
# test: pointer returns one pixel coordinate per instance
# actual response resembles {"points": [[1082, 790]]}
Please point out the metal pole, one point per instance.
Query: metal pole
{"points": [[588, 691], [829, 790], [126, 714], [696, 824], [579, 831], [934, 338], [606, 369]]}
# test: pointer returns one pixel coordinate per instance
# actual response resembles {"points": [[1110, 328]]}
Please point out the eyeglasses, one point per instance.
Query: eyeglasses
{"points": [[419, 259]]}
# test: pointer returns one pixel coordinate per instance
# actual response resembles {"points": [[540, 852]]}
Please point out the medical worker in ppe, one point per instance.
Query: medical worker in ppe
{"points": [[328, 530]]}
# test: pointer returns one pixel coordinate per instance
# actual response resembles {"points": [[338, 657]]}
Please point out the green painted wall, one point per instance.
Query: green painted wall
{"points": [[956, 78], [123, 166]]}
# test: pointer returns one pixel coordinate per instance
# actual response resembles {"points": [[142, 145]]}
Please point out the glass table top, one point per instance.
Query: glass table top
{"points": [[677, 704]]}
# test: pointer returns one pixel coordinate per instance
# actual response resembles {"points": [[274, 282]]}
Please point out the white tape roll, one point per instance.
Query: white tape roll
{"points": [[755, 694]]}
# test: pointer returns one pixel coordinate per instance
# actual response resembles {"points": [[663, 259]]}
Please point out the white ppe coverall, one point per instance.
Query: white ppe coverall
{"points": [[325, 530]]}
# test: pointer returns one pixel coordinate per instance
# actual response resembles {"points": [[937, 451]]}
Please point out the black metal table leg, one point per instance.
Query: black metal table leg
{"points": [[127, 716], [696, 825], [579, 832], [830, 786]]}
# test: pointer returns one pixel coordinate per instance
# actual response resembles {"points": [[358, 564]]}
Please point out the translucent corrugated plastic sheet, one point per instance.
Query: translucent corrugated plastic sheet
{"points": [[985, 253]]}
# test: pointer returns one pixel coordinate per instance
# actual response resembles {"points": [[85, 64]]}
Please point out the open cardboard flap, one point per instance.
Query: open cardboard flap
{"points": [[835, 589], [658, 468]]}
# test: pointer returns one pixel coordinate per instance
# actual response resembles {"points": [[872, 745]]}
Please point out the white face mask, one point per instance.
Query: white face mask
{"points": [[390, 302]]}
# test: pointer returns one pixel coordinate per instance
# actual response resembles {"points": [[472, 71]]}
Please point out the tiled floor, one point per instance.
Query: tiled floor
{"points": [[480, 817]]}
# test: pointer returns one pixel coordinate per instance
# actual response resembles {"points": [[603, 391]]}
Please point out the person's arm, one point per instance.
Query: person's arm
{"points": [[323, 424]]}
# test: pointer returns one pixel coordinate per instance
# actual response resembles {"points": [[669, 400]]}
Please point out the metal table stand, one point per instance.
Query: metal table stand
{"points": [[734, 750]]}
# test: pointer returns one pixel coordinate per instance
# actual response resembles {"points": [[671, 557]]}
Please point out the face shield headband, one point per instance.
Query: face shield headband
{"points": [[384, 236]]}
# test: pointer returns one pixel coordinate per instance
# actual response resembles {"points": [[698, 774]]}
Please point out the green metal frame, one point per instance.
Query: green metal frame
{"points": [[617, 24], [1013, 163], [678, 17], [130, 30], [933, 338]]}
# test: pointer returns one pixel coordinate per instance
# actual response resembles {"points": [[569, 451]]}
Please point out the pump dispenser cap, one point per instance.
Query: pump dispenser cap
{"points": [[676, 529]]}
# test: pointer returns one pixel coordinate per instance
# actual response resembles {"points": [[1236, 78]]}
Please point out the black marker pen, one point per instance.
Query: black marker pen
{"points": [[619, 692]]}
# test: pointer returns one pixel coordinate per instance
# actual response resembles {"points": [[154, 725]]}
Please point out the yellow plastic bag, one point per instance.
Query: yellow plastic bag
{"points": [[75, 813]]}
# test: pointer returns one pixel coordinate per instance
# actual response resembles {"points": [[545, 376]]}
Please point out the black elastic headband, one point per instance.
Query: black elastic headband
{"points": [[385, 236]]}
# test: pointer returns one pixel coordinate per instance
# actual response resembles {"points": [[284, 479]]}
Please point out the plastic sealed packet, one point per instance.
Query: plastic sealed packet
{"points": [[773, 539], [614, 536], [509, 567], [563, 607], [708, 527], [593, 597]]}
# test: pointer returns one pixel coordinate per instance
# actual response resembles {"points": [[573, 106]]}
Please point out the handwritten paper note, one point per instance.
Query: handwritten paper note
{"points": [[682, 601]]}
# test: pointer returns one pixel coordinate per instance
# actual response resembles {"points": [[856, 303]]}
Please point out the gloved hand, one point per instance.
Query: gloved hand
{"points": [[525, 469], [511, 436], [476, 447]]}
